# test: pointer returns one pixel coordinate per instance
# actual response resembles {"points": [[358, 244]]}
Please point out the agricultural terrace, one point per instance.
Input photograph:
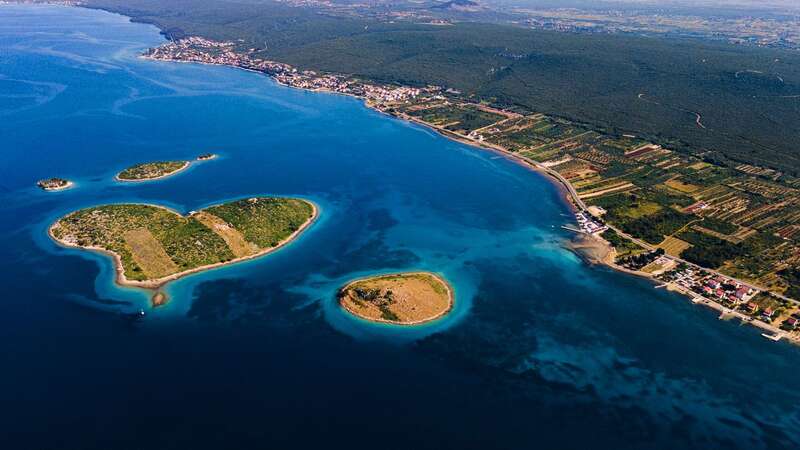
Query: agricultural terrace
{"points": [[462, 119], [743, 220]]}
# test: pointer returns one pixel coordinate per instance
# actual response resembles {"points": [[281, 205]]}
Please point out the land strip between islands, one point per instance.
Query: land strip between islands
{"points": [[484, 120]]}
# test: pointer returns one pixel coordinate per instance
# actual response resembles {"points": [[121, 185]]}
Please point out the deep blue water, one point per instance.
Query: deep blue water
{"points": [[542, 350]]}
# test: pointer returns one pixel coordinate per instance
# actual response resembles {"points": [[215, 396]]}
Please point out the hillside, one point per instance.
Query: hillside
{"points": [[747, 98]]}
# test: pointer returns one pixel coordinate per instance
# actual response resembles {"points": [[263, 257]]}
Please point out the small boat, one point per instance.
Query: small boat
{"points": [[772, 337], [134, 316]]}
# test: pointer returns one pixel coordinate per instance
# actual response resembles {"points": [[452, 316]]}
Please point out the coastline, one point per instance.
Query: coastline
{"points": [[595, 242], [592, 242], [559, 182], [563, 185], [185, 166], [450, 297], [567, 191], [571, 197], [157, 283]]}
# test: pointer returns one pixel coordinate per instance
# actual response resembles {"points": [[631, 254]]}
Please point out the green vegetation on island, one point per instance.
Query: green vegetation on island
{"points": [[152, 170], [401, 298], [154, 245], [266, 221]]}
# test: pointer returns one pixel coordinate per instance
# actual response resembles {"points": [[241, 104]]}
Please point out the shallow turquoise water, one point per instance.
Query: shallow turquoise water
{"points": [[541, 350]]}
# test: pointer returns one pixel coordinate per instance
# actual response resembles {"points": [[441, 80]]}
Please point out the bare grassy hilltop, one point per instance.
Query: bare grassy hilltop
{"points": [[401, 298]]}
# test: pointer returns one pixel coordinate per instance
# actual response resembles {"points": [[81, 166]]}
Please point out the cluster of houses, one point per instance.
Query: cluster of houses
{"points": [[588, 224], [792, 323], [729, 293], [718, 288], [695, 207], [479, 137], [196, 49]]}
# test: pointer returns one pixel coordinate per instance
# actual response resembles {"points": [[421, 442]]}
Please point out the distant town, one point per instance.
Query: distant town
{"points": [[196, 49], [783, 32], [760, 26]]}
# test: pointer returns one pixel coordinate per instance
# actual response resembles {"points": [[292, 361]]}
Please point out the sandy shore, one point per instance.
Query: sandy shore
{"points": [[450, 296], [185, 166], [122, 280], [594, 249], [511, 156]]}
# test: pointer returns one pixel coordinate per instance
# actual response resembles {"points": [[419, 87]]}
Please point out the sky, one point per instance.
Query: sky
{"points": [[767, 5]]}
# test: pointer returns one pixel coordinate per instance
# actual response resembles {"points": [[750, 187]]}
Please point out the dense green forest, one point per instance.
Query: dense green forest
{"points": [[709, 251], [792, 276], [748, 97]]}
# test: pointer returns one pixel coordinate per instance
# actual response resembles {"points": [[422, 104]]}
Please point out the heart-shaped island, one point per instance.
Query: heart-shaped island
{"points": [[152, 245]]}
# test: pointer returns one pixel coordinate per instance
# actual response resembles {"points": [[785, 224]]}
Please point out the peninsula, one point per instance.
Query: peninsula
{"points": [[402, 298], [152, 245], [54, 184]]}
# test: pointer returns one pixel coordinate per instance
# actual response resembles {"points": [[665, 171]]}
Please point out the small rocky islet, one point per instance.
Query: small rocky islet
{"points": [[408, 298]]}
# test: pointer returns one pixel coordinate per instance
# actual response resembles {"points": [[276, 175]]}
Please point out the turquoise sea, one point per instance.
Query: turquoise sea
{"points": [[542, 350]]}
